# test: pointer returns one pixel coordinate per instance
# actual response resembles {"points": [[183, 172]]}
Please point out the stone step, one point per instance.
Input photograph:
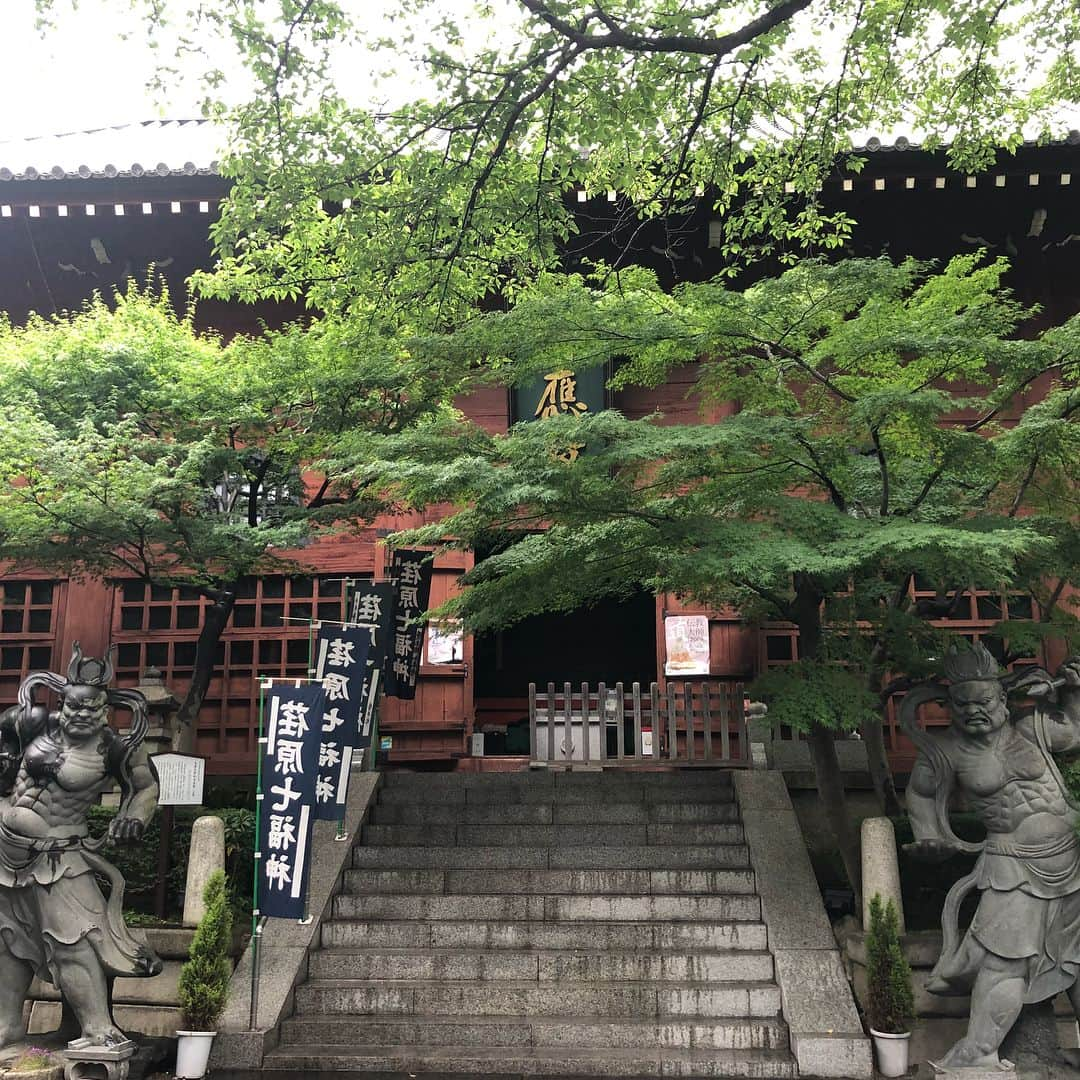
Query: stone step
{"points": [[471, 933], [559, 779], [554, 908], [539, 1031], [550, 882], [511, 795], [584, 857], [549, 835], [658, 777], [562, 966], [441, 1061], [631, 813], [635, 1000]]}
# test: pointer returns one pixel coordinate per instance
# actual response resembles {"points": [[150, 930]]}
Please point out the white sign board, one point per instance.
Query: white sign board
{"points": [[180, 779], [445, 644], [687, 641]]}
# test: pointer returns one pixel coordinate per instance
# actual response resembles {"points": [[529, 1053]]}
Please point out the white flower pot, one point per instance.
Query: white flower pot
{"points": [[192, 1053], [891, 1050]]}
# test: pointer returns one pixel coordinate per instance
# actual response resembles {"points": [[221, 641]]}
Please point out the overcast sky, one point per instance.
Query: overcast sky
{"points": [[78, 77], [81, 75]]}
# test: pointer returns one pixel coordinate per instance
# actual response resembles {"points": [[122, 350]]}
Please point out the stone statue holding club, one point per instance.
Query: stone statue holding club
{"points": [[54, 920], [1023, 945]]}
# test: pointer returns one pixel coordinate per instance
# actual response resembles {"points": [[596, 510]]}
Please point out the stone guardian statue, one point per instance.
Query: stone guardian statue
{"points": [[1023, 945], [54, 919]]}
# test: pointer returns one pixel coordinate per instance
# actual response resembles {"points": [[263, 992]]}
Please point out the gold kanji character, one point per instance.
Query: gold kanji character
{"points": [[559, 396]]}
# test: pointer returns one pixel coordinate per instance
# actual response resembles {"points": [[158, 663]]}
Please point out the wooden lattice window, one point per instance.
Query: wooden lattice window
{"points": [[975, 613], [972, 616], [268, 635], [274, 603], [28, 608], [29, 614]]}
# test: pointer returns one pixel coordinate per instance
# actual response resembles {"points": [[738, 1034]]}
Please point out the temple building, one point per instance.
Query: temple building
{"points": [[88, 211]]}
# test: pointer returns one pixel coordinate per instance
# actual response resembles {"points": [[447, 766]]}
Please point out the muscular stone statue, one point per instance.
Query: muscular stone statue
{"points": [[1023, 945], [54, 919]]}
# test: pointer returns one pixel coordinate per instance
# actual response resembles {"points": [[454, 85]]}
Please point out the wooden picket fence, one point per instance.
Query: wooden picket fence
{"points": [[685, 724]]}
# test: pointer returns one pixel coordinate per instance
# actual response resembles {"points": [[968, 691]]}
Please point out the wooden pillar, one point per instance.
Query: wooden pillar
{"points": [[87, 618]]}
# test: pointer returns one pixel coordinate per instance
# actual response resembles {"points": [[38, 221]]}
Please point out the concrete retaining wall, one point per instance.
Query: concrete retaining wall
{"points": [[827, 1038], [286, 943]]}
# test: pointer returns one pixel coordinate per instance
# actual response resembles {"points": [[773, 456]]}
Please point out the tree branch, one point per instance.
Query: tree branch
{"points": [[618, 37], [1024, 485], [883, 466]]}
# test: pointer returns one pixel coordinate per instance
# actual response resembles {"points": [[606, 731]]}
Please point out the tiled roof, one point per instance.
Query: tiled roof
{"points": [[876, 145], [152, 148], [191, 148]]}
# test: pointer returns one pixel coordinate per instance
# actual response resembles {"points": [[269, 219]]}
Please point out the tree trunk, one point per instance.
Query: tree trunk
{"points": [[830, 784], [822, 741], [877, 759], [873, 735], [214, 623]]}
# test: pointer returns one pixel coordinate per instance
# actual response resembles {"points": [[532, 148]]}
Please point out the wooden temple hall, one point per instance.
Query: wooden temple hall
{"points": [[86, 211]]}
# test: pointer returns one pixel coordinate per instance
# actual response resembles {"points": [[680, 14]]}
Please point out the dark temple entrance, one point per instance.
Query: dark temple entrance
{"points": [[613, 641]]}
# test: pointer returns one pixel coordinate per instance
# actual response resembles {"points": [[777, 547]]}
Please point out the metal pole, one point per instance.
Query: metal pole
{"points": [[165, 831], [375, 727], [256, 967], [256, 925]]}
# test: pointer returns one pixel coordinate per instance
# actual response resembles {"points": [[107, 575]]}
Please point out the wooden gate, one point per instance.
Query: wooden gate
{"points": [[686, 724]]}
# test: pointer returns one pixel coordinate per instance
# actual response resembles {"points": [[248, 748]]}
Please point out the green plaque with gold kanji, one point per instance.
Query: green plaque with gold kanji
{"points": [[562, 392]]}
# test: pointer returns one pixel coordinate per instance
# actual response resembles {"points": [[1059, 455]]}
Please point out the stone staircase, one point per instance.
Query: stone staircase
{"points": [[570, 924]]}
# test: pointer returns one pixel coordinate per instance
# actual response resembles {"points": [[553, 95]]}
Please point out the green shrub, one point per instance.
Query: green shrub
{"points": [[891, 1005], [204, 978], [138, 862]]}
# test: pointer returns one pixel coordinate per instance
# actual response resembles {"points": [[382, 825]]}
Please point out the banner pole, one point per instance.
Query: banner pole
{"points": [[375, 727], [256, 971], [256, 924]]}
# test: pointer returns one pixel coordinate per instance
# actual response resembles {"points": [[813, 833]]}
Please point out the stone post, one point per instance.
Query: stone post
{"points": [[206, 854], [880, 867], [759, 728]]}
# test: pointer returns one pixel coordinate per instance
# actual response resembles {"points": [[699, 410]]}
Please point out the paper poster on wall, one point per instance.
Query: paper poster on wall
{"points": [[687, 641], [445, 644]]}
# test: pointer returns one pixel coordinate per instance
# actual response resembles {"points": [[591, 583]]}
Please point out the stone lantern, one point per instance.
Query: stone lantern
{"points": [[163, 705]]}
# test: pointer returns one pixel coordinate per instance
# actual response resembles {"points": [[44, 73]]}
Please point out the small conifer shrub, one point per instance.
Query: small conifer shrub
{"points": [[891, 1004], [204, 978]]}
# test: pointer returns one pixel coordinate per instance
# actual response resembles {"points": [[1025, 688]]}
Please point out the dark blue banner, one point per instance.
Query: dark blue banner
{"points": [[411, 575], [341, 655], [373, 608], [294, 719]]}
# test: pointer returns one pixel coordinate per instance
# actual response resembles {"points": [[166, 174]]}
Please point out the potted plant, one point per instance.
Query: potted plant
{"points": [[891, 1004], [204, 981]]}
